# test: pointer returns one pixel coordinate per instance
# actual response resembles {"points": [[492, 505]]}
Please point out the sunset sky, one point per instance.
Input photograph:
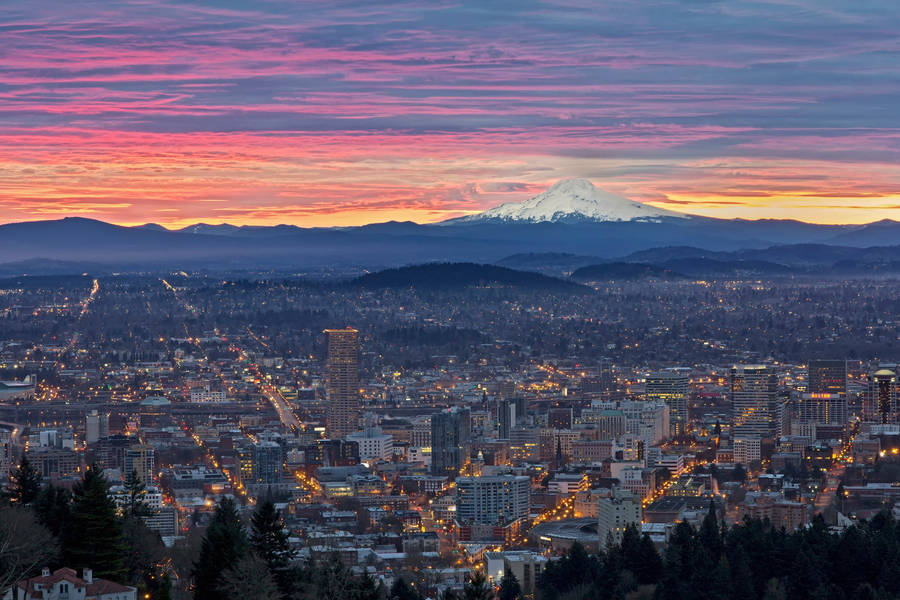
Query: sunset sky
{"points": [[343, 113]]}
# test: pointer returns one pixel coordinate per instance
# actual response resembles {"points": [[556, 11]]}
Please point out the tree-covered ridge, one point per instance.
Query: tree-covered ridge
{"points": [[455, 275]]}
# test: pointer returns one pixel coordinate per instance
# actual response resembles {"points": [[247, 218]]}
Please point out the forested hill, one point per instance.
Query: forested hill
{"points": [[458, 275]]}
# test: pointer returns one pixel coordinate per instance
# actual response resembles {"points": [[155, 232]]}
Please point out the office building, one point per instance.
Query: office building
{"points": [[243, 459], [139, 458], [374, 445], [525, 565], [881, 404], [506, 418], [673, 388], [451, 431], [96, 426], [821, 408], [827, 377], [207, 394], [342, 382], [615, 513], [494, 500], [560, 418], [267, 463], [753, 393]]}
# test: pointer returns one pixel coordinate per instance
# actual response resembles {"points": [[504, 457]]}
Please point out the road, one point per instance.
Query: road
{"points": [[278, 402]]}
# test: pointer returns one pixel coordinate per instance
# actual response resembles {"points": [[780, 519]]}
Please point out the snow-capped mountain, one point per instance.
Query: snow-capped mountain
{"points": [[571, 200]]}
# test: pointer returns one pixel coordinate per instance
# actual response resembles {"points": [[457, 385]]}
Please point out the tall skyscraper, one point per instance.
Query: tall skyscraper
{"points": [[139, 458], [506, 417], [882, 404], [342, 382], [267, 463], [827, 377], [450, 433], [753, 393], [674, 388]]}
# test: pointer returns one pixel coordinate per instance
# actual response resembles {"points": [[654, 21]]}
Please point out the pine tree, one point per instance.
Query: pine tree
{"points": [[400, 590], [54, 510], [477, 588], [136, 488], [224, 544], [26, 482], [709, 535], [649, 567], [268, 538], [270, 543], [96, 539], [509, 587]]}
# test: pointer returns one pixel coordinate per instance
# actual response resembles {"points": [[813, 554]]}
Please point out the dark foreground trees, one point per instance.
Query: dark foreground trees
{"points": [[749, 561]]}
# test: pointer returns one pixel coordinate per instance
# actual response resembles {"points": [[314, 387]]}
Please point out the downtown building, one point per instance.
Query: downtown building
{"points": [[672, 387], [881, 403], [615, 513], [342, 382], [140, 459], [492, 507], [752, 393], [451, 432]]}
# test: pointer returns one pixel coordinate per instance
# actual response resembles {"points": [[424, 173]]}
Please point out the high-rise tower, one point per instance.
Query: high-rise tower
{"points": [[674, 388], [827, 377], [753, 391], [450, 433], [882, 401], [342, 382]]}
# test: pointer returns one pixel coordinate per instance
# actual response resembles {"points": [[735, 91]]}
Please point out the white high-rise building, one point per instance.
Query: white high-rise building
{"points": [[616, 513], [494, 500], [96, 426], [373, 444]]}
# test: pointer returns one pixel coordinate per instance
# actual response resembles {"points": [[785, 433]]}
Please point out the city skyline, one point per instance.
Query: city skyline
{"points": [[348, 114]]}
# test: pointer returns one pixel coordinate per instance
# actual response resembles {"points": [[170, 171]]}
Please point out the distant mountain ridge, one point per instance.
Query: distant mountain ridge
{"points": [[571, 225]]}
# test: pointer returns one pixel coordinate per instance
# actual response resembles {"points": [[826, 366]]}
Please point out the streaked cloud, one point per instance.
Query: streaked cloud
{"points": [[349, 112]]}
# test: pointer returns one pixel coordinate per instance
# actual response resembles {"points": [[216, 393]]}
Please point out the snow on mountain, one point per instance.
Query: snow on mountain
{"points": [[572, 200]]}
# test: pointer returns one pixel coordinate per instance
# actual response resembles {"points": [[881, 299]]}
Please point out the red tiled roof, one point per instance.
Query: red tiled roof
{"points": [[96, 588]]}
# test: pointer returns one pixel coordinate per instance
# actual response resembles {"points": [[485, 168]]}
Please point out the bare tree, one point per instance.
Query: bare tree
{"points": [[25, 545]]}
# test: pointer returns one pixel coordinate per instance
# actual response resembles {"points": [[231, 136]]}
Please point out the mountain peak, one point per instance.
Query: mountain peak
{"points": [[572, 200]]}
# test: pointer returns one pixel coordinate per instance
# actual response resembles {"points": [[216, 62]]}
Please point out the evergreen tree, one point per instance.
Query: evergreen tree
{"points": [[136, 488], [509, 587], [224, 544], [400, 590], [268, 538], [270, 543], [720, 583], [775, 590], [96, 538], [478, 588], [709, 535], [26, 482], [649, 566], [54, 510], [742, 577]]}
